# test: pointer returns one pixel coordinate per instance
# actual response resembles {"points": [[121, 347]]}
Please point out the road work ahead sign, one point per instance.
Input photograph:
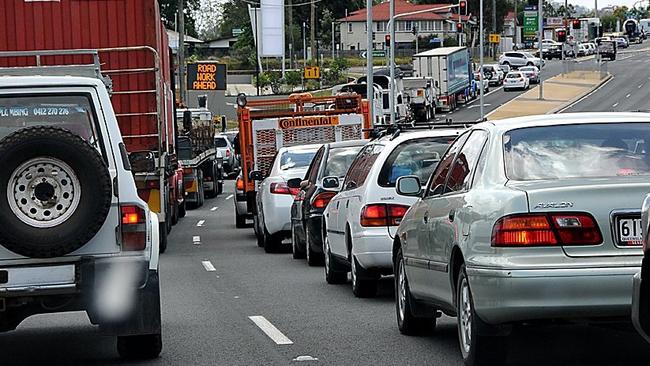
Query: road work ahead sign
{"points": [[206, 76]]}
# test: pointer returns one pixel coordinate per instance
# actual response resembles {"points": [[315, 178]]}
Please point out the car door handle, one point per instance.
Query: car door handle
{"points": [[347, 204], [337, 204], [452, 215], [425, 218]]}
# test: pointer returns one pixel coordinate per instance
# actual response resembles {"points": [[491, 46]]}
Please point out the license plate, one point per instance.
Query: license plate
{"points": [[629, 231]]}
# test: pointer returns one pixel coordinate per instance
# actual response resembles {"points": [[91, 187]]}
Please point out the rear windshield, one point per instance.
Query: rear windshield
{"points": [[71, 112], [296, 159], [417, 157], [513, 76], [220, 142], [577, 151], [339, 161]]}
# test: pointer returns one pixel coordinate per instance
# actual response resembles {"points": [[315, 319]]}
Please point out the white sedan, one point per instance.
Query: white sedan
{"points": [[516, 80], [274, 197], [361, 220]]}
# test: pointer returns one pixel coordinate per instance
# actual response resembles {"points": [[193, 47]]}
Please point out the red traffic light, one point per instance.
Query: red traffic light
{"points": [[576, 24], [387, 40], [561, 36], [463, 7], [459, 27]]}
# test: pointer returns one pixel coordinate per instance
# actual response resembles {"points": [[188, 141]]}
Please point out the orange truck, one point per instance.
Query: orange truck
{"points": [[299, 119]]}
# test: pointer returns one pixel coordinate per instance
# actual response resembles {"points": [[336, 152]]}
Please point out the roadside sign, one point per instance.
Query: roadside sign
{"points": [[237, 31], [495, 38], [206, 76], [531, 23], [312, 72], [375, 53]]}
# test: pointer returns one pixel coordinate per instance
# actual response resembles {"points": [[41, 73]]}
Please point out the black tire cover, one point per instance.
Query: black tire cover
{"points": [[94, 202]]}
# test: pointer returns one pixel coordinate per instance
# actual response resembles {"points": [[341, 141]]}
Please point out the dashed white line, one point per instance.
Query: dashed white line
{"points": [[270, 330], [614, 105], [214, 208], [208, 266], [196, 240], [627, 96], [200, 223], [640, 86], [229, 197]]}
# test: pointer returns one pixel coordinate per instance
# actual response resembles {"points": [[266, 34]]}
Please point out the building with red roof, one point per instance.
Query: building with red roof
{"points": [[441, 22]]}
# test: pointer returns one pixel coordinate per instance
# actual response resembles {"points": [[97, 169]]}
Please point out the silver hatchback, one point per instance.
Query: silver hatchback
{"points": [[528, 219]]}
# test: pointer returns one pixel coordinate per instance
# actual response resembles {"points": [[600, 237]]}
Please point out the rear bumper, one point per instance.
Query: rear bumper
{"points": [[277, 215], [373, 249], [503, 295], [241, 207]]}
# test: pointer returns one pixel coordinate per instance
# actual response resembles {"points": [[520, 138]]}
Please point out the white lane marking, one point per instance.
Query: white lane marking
{"points": [[196, 240], [270, 330], [229, 197], [214, 208], [586, 96], [305, 358], [614, 105], [627, 96], [208, 266], [640, 86], [200, 223]]}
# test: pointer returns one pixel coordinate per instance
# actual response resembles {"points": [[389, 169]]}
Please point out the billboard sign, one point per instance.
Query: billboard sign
{"points": [[272, 37]]}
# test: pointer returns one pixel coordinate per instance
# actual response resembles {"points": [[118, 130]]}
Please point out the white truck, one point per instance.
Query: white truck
{"points": [[401, 108], [450, 69], [421, 95], [76, 237], [379, 117]]}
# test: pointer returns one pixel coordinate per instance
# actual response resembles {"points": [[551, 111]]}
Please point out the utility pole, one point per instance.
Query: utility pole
{"points": [[370, 85], [312, 31], [304, 43], [494, 26], [257, 54], [540, 27], [291, 40], [181, 50], [333, 37]]}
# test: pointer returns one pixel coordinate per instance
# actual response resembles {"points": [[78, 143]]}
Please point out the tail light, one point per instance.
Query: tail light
{"points": [[188, 171], [240, 184], [153, 184], [227, 153], [322, 199], [283, 188], [553, 229], [382, 215], [133, 227]]}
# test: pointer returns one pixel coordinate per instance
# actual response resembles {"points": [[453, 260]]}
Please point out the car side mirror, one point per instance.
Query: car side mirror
{"points": [[408, 186], [256, 175], [294, 183], [331, 182]]}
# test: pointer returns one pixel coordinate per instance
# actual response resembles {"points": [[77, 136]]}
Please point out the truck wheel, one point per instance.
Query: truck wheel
{"points": [[182, 210], [53, 184], [162, 235], [240, 221], [175, 213]]}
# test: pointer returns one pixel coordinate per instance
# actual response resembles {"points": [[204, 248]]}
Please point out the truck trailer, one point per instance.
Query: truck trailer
{"points": [[134, 53], [450, 69]]}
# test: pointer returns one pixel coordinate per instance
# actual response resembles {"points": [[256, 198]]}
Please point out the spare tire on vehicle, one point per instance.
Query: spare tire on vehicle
{"points": [[55, 192]]}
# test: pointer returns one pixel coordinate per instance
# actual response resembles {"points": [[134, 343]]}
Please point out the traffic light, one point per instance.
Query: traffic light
{"points": [[387, 40], [576, 24], [414, 30], [561, 35], [462, 7], [459, 27]]}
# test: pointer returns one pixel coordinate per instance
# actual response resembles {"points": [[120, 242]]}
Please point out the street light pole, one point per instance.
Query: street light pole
{"points": [[304, 43], [391, 65], [333, 30], [481, 50], [370, 85], [540, 26]]}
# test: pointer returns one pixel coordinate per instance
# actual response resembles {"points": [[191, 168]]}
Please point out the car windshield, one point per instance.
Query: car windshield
{"points": [[513, 76], [296, 159], [577, 151], [339, 160], [220, 142], [417, 157], [71, 112]]}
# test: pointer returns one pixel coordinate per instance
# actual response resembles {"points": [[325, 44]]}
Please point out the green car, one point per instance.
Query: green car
{"points": [[527, 219]]}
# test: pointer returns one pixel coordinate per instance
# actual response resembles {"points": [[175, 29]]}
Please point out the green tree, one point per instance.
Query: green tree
{"points": [[169, 9], [620, 12], [608, 22]]}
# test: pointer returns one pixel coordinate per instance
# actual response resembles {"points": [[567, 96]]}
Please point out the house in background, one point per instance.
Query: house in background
{"points": [[354, 34], [173, 40], [218, 47]]}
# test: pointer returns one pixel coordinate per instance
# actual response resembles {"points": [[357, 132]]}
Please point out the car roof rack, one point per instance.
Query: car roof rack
{"points": [[92, 70], [395, 130]]}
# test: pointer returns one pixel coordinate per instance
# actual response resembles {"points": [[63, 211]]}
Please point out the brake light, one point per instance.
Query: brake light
{"points": [[240, 184], [152, 184], [554, 229], [133, 227], [382, 215], [283, 188], [323, 199], [188, 171], [227, 153]]}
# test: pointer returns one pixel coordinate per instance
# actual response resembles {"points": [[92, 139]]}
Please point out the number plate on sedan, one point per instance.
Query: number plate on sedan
{"points": [[629, 231]]}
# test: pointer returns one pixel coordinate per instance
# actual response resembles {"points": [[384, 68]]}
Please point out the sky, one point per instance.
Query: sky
{"points": [[602, 3]]}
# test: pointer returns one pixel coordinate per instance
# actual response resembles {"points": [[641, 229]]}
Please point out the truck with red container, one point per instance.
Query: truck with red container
{"points": [[134, 54]]}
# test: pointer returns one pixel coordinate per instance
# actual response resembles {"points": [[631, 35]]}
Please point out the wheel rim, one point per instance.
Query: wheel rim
{"points": [[327, 256], [354, 272], [43, 192], [465, 316], [307, 251], [401, 289]]}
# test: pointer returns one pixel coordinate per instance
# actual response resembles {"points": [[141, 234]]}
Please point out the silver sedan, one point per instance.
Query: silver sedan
{"points": [[528, 219]]}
